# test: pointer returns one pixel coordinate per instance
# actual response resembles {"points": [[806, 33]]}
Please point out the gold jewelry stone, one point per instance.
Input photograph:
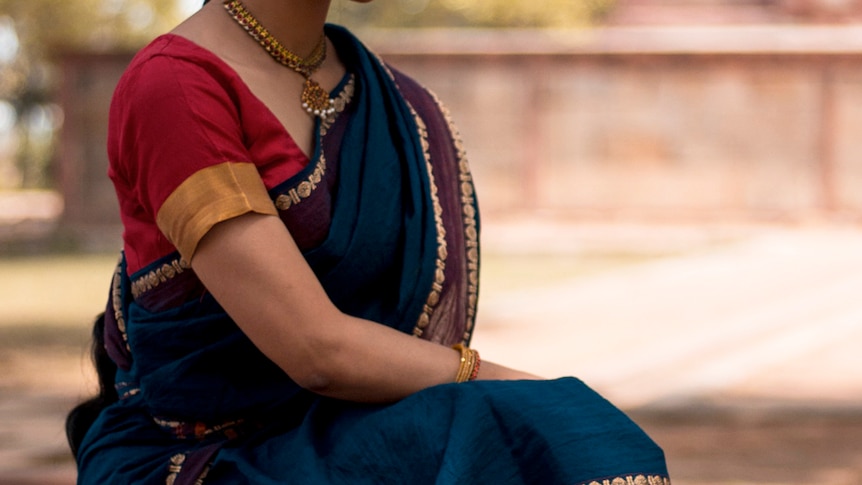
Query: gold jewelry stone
{"points": [[315, 100]]}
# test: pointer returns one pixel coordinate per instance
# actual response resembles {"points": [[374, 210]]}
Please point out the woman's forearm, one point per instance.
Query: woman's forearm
{"points": [[374, 363], [278, 302]]}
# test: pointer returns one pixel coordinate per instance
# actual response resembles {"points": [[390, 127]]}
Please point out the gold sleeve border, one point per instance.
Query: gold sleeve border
{"points": [[210, 196]]}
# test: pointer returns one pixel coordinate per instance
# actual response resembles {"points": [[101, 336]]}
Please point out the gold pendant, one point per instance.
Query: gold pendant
{"points": [[316, 100]]}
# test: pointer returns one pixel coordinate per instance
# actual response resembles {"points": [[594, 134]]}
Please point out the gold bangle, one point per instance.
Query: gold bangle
{"points": [[465, 353], [475, 372], [468, 363]]}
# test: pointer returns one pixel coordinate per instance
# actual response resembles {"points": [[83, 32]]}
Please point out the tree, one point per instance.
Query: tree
{"points": [[33, 33], [472, 13]]}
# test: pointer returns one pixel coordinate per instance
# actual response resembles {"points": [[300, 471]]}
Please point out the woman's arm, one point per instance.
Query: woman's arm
{"points": [[276, 299]]}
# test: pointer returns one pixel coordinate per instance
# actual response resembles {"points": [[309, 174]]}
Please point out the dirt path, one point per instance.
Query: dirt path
{"points": [[741, 360]]}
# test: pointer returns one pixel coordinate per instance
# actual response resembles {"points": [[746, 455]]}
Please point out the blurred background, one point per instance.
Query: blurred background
{"points": [[671, 194]]}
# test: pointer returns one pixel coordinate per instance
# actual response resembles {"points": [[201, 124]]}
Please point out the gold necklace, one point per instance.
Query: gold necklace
{"points": [[315, 99]]}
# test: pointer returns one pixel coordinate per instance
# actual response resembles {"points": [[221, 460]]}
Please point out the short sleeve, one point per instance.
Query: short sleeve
{"points": [[176, 142]]}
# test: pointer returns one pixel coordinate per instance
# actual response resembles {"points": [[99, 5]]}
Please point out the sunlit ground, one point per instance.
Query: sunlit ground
{"points": [[47, 304]]}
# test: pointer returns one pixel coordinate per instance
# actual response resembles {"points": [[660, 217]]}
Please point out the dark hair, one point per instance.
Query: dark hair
{"points": [[82, 417]]}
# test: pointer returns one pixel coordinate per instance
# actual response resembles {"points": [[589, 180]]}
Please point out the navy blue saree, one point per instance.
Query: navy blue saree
{"points": [[386, 216]]}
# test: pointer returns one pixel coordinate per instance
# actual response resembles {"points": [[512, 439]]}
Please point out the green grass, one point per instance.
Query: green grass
{"points": [[54, 291], [51, 300]]}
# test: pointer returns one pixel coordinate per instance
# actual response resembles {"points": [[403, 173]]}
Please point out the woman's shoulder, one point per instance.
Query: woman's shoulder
{"points": [[172, 62], [178, 48]]}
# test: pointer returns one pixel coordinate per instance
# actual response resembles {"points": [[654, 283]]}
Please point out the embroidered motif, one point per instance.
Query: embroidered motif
{"points": [[341, 101], [174, 468], [634, 480], [126, 389], [185, 430], [130, 393], [158, 276], [304, 189]]}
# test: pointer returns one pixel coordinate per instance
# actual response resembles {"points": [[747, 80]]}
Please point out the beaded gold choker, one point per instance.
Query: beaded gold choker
{"points": [[315, 99]]}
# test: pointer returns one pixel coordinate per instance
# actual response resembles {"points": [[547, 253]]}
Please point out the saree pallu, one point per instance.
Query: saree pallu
{"points": [[200, 404]]}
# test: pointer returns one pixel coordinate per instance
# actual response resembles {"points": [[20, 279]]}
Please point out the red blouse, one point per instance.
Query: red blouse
{"points": [[189, 145]]}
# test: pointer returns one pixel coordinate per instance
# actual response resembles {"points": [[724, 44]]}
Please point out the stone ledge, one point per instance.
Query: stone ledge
{"points": [[729, 40]]}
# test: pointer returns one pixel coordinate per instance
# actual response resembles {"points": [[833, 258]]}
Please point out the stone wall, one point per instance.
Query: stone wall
{"points": [[733, 12], [90, 203], [678, 124], [674, 124]]}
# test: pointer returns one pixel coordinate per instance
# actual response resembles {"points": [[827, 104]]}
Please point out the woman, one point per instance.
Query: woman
{"points": [[300, 276]]}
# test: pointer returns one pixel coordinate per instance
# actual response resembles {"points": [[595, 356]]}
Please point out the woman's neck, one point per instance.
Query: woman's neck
{"points": [[297, 24]]}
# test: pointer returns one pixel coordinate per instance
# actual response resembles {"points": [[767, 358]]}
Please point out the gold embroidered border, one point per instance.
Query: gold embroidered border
{"points": [[341, 102], [126, 390], [634, 480], [442, 248], [158, 276], [199, 431], [283, 202], [200, 480], [117, 303], [174, 468], [468, 210], [304, 189], [130, 393]]}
